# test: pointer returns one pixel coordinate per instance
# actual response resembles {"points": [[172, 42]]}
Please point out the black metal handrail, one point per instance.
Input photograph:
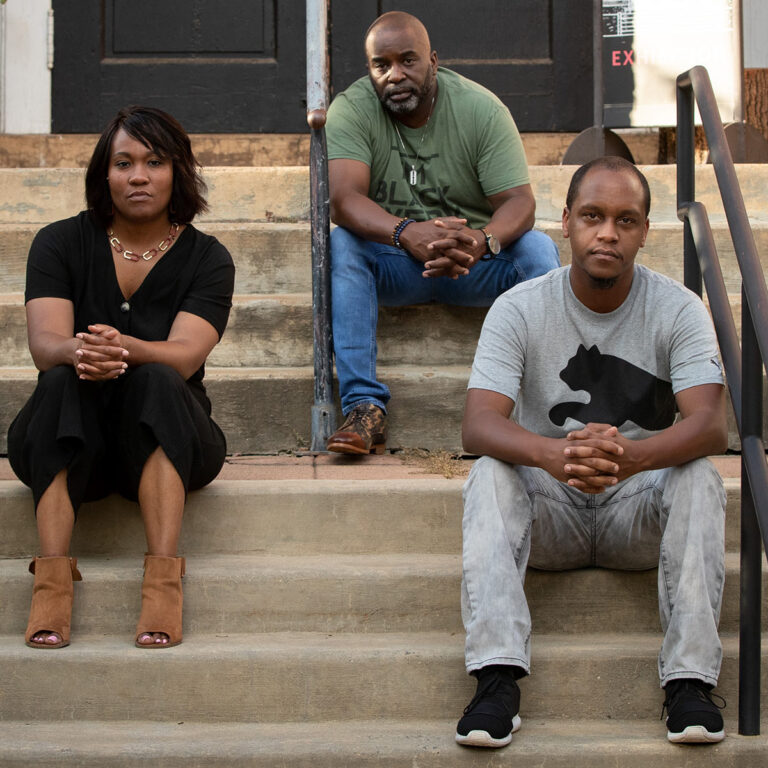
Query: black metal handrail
{"points": [[744, 367], [323, 409]]}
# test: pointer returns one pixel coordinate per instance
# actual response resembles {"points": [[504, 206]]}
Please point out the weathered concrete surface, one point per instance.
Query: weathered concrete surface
{"points": [[275, 330], [234, 194], [378, 743], [276, 258], [349, 593], [300, 517], [282, 193], [268, 410], [237, 677], [259, 149]]}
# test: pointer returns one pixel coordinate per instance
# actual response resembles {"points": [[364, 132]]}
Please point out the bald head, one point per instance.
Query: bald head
{"points": [[398, 21], [402, 66]]}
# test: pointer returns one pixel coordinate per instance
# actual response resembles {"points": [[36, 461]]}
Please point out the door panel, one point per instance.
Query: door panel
{"points": [[238, 66], [231, 66], [536, 55]]}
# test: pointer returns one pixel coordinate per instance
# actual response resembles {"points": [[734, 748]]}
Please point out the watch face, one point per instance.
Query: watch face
{"points": [[493, 244]]}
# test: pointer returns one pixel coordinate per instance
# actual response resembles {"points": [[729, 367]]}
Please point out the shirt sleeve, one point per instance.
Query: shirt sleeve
{"points": [[694, 358], [210, 295], [501, 157], [48, 274], [500, 357], [347, 136]]}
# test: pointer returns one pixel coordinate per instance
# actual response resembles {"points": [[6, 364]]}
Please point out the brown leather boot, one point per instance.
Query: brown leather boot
{"points": [[363, 432], [51, 609], [161, 600]]}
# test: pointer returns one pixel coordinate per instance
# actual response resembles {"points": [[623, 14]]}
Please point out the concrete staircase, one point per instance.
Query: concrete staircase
{"points": [[261, 373], [322, 622], [322, 627]]}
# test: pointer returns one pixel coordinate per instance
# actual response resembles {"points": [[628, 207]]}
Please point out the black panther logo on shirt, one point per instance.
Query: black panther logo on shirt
{"points": [[619, 392]]}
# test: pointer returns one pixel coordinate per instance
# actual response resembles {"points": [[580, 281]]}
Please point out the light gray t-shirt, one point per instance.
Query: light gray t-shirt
{"points": [[565, 365]]}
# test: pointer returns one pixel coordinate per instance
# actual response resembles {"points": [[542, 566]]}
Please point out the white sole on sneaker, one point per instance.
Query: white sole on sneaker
{"points": [[484, 739], [695, 734]]}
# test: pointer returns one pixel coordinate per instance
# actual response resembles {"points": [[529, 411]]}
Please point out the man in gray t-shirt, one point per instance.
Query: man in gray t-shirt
{"points": [[591, 362]]}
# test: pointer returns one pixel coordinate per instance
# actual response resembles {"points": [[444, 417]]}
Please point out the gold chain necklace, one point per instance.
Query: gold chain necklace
{"points": [[162, 246], [413, 176]]}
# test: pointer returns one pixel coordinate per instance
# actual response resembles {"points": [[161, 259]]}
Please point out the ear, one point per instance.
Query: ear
{"points": [[433, 61], [645, 232], [566, 217]]}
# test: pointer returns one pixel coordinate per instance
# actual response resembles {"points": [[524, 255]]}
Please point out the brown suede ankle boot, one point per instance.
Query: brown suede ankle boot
{"points": [[51, 609], [161, 600]]}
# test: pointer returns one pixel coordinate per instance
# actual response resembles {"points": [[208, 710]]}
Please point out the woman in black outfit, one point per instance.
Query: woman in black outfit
{"points": [[124, 302]]}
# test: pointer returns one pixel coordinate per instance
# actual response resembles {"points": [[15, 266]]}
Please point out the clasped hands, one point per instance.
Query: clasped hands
{"points": [[446, 246], [596, 457], [101, 356]]}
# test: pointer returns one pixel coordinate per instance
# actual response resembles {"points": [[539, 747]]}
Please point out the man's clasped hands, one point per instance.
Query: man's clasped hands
{"points": [[446, 246]]}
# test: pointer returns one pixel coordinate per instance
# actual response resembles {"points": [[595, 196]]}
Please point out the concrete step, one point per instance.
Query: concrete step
{"points": [[378, 743], [300, 677], [275, 330], [276, 517], [263, 149], [282, 193], [264, 194], [351, 593], [276, 257], [269, 257], [268, 410]]}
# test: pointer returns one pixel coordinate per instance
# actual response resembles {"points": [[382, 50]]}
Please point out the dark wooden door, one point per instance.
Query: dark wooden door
{"points": [[238, 66], [536, 55], [229, 66]]}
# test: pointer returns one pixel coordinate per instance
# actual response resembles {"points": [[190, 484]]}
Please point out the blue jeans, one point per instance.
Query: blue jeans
{"points": [[365, 275], [672, 517]]}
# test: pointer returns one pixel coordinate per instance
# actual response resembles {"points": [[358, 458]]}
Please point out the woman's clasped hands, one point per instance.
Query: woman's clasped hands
{"points": [[101, 356]]}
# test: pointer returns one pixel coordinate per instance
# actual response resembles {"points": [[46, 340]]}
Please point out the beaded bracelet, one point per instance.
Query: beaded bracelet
{"points": [[398, 230]]}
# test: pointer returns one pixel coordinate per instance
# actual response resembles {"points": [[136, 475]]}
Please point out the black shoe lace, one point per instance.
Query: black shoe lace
{"points": [[698, 690]]}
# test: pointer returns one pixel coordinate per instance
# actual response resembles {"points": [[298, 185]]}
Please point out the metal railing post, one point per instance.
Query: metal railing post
{"points": [[323, 408], [686, 179], [751, 541], [745, 371]]}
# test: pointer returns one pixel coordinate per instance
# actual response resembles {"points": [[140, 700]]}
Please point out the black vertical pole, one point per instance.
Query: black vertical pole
{"points": [[751, 540], [323, 409], [686, 183]]}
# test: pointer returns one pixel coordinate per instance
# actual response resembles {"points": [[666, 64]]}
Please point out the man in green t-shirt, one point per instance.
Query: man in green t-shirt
{"points": [[430, 191]]}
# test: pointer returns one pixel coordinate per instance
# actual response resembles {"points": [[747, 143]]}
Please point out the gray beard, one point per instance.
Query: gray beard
{"points": [[402, 107], [411, 103]]}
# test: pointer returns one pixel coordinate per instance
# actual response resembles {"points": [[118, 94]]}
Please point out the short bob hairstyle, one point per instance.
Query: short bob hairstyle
{"points": [[163, 134]]}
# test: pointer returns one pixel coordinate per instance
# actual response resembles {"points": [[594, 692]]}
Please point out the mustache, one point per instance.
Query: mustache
{"points": [[396, 90]]}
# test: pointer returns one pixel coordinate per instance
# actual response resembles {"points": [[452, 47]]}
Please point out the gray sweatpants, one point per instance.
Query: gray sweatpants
{"points": [[515, 515]]}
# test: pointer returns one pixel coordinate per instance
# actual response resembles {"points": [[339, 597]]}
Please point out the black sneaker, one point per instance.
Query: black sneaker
{"points": [[692, 716], [492, 716]]}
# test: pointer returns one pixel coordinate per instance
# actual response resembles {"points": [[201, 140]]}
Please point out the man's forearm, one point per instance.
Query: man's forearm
{"points": [[513, 218], [490, 434], [700, 434], [364, 217]]}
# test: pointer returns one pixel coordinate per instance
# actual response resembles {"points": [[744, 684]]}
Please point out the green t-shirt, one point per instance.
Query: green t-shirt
{"points": [[471, 149]]}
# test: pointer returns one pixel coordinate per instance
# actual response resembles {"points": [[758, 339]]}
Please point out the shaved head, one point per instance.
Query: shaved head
{"points": [[398, 21], [402, 66]]}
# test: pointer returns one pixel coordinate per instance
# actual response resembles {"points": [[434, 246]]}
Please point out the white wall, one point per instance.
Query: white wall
{"points": [[25, 80], [755, 16]]}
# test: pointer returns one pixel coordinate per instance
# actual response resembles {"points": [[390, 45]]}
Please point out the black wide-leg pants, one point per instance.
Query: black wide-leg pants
{"points": [[102, 433]]}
